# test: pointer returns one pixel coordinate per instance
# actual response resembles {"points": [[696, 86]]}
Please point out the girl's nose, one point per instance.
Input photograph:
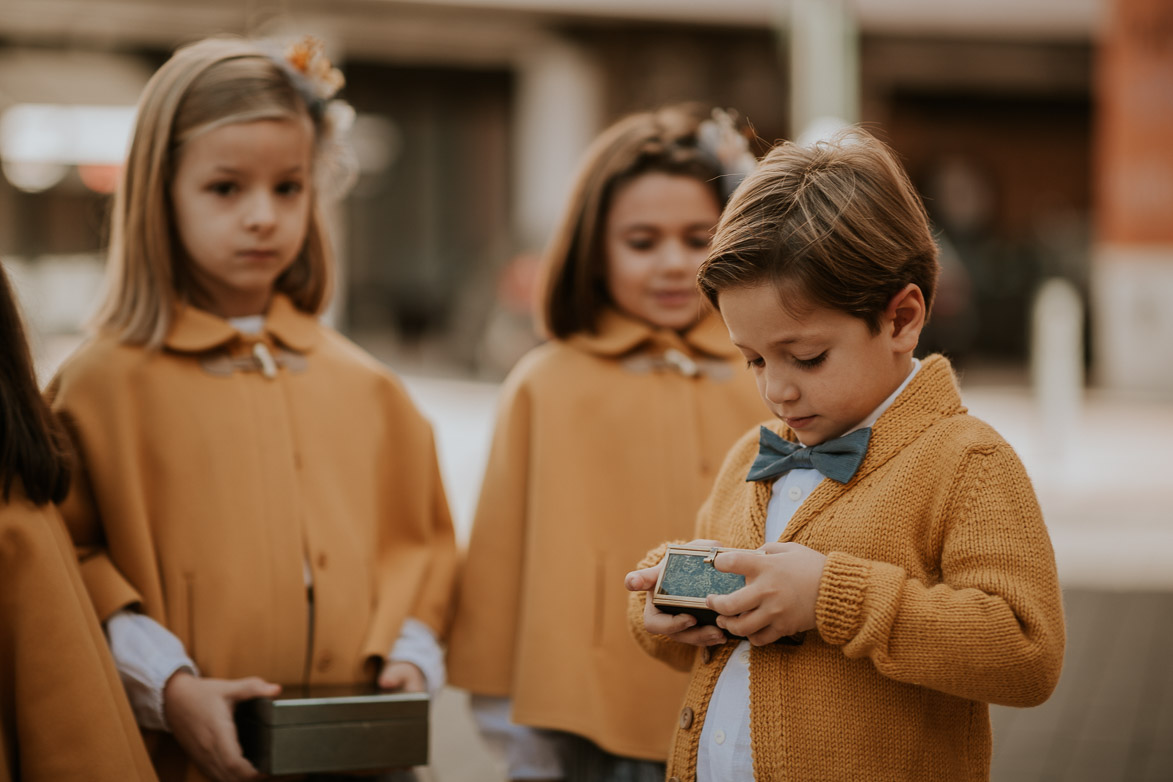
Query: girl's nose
{"points": [[261, 213], [675, 257]]}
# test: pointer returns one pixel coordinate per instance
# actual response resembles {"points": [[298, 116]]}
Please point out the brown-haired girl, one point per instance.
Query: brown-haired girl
{"points": [[63, 714], [260, 502], [607, 440]]}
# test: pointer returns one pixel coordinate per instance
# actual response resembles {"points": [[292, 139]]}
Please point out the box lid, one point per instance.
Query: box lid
{"points": [[321, 704]]}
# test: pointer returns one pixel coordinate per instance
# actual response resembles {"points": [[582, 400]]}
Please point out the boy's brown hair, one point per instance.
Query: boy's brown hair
{"points": [[205, 85], [836, 224], [573, 289]]}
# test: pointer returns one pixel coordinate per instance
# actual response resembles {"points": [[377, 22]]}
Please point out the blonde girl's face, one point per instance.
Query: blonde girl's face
{"points": [[241, 202], [657, 236]]}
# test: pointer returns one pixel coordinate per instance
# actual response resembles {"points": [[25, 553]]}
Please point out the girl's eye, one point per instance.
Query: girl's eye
{"points": [[289, 188], [810, 363], [698, 242], [641, 243], [223, 188]]}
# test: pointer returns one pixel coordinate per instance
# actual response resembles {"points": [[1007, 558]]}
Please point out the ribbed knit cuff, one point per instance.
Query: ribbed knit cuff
{"points": [[839, 607]]}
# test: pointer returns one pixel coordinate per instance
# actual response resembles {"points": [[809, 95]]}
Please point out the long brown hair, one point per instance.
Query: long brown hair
{"points": [[837, 224], [573, 279], [33, 444], [208, 84]]}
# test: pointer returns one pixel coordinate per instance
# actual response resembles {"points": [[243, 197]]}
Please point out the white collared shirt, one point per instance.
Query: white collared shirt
{"points": [[724, 754]]}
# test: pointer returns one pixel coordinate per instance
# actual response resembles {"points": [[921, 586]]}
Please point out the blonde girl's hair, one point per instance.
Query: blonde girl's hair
{"points": [[837, 224], [672, 140], [214, 82]]}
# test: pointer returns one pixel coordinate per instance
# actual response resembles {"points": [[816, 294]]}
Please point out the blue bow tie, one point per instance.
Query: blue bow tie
{"points": [[838, 459]]}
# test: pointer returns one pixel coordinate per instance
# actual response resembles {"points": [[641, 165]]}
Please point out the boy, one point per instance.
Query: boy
{"points": [[911, 557]]}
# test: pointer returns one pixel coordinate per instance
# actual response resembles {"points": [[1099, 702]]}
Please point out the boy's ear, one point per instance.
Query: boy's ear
{"points": [[905, 316]]}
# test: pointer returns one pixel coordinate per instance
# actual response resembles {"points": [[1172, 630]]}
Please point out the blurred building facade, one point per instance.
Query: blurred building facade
{"points": [[1013, 118]]}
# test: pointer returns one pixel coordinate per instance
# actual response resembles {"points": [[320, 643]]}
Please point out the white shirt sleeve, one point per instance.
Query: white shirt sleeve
{"points": [[146, 655], [528, 753], [418, 645]]}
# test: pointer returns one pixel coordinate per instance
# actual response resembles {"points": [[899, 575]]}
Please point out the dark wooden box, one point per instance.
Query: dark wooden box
{"points": [[334, 729]]}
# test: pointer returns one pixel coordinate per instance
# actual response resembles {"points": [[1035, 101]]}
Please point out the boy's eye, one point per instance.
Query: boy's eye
{"points": [[753, 363], [810, 363]]}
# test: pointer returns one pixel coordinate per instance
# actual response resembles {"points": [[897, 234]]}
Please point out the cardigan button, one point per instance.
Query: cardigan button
{"points": [[707, 655], [686, 715]]}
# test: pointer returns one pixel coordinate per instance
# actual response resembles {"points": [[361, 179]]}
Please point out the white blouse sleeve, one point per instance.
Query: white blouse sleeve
{"points": [[146, 655]]}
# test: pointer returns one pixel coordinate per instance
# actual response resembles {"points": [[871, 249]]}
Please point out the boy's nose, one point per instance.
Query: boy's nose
{"points": [[779, 389]]}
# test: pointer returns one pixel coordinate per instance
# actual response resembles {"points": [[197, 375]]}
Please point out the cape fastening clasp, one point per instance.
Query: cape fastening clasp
{"points": [[682, 363], [265, 360]]}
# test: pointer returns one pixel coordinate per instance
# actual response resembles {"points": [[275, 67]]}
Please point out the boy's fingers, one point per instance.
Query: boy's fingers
{"points": [[641, 580], [707, 635], [742, 563], [734, 603], [660, 623], [744, 624]]}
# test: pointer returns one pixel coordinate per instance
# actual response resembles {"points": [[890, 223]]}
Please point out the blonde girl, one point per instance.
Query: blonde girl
{"points": [[58, 686], [607, 439], [259, 502]]}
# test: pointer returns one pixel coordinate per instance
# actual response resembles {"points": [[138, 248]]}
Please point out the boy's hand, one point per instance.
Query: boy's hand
{"points": [[681, 628], [199, 712], [402, 676], [778, 599]]}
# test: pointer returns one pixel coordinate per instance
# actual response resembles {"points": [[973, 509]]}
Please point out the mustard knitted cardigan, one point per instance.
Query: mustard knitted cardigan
{"points": [[939, 596]]}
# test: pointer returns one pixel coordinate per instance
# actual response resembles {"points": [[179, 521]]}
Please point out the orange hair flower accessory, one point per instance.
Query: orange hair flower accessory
{"points": [[307, 58]]}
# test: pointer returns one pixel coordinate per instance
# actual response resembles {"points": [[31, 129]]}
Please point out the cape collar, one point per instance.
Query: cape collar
{"points": [[196, 331], [618, 334]]}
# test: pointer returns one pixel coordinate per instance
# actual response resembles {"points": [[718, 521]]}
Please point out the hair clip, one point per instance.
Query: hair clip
{"points": [[719, 137], [307, 58]]}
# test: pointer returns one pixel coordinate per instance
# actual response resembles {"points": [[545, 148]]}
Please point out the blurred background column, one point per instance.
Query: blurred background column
{"points": [[824, 67], [1133, 252], [557, 112]]}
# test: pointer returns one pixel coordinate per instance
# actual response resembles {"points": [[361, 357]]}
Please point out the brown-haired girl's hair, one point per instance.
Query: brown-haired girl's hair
{"points": [[214, 82], [573, 277], [33, 445], [836, 224]]}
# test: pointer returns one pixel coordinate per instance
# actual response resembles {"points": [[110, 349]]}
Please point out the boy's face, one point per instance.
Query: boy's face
{"points": [[821, 371]]}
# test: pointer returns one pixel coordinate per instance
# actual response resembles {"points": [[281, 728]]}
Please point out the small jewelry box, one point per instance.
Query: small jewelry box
{"points": [[688, 577], [334, 729]]}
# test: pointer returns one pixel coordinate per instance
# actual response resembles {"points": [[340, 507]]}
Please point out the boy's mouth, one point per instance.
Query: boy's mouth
{"points": [[800, 422]]}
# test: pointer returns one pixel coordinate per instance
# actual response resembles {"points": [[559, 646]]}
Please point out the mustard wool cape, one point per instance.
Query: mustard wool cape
{"points": [[63, 713], [939, 596], [207, 488], [600, 451]]}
